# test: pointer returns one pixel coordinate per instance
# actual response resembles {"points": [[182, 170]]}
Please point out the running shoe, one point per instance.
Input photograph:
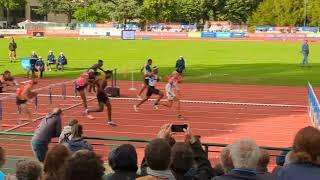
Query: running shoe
{"points": [[135, 108], [86, 113], [111, 123], [155, 106]]}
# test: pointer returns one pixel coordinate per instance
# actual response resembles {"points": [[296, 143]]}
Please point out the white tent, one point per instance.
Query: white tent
{"points": [[23, 24]]}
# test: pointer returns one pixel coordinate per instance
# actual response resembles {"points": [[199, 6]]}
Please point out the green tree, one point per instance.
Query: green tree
{"points": [[213, 9], [92, 11], [313, 12], [67, 7], [279, 13], [123, 10], [159, 10], [11, 5], [189, 11], [238, 11]]}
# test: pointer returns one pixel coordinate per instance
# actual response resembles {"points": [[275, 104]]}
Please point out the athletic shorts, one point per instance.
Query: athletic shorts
{"points": [[152, 90], [102, 97], [20, 102], [146, 82], [80, 88]]}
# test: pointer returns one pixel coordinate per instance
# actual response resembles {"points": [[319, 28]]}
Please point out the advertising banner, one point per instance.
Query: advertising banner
{"points": [[13, 31]]}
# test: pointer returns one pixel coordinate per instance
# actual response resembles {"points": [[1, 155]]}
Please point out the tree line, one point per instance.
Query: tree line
{"points": [[252, 12]]}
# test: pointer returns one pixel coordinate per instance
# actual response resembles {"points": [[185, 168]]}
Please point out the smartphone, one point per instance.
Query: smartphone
{"points": [[179, 127]]}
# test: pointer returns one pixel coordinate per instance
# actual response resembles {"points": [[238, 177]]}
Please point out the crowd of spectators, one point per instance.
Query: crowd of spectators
{"points": [[164, 158]]}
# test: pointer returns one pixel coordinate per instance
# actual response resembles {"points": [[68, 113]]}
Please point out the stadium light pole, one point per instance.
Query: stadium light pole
{"points": [[305, 13]]}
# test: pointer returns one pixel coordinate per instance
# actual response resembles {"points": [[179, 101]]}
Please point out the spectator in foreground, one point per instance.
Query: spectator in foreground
{"points": [[157, 154], [50, 60], [304, 158], [62, 61], [49, 127], [2, 161], [28, 170], [78, 142], [225, 160], [189, 160], [66, 133], [245, 156], [262, 169], [55, 161], [84, 165], [180, 65], [124, 162]]}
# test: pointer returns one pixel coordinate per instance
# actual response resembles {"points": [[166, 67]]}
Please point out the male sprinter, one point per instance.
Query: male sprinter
{"points": [[7, 79], [93, 73], [172, 90], [153, 79], [146, 70], [102, 97], [23, 95]]}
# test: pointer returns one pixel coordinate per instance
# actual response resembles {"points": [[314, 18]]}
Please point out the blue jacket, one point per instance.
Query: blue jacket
{"points": [[180, 65], [77, 144], [299, 171], [62, 60], [305, 48], [51, 58]]}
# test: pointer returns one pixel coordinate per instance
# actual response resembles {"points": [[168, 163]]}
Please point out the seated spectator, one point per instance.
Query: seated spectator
{"points": [[28, 170], [84, 165], [262, 169], [124, 162], [62, 61], [49, 127], [39, 66], [180, 65], [305, 156], [33, 60], [54, 163], [157, 154], [78, 142], [2, 161], [66, 133], [50, 60], [225, 160], [245, 156]]}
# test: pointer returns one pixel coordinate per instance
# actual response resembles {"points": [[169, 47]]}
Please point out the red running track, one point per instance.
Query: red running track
{"points": [[216, 123]]}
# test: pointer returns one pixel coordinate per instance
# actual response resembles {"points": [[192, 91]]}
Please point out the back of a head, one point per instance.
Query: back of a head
{"points": [[181, 158], [72, 122], [55, 160], [124, 158], [76, 130], [306, 146], [225, 159], [100, 61], [28, 170], [245, 154], [264, 158], [84, 165], [158, 154]]}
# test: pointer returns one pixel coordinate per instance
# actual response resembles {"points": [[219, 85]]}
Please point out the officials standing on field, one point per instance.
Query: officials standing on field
{"points": [[305, 52]]}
